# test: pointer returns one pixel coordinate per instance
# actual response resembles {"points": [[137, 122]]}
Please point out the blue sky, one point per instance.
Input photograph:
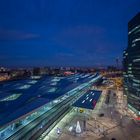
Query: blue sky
{"points": [[64, 32]]}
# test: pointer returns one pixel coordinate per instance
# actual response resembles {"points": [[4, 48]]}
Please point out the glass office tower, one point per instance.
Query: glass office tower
{"points": [[131, 61]]}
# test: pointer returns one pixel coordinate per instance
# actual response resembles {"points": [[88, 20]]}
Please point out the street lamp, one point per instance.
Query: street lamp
{"points": [[121, 117], [95, 122], [111, 114]]}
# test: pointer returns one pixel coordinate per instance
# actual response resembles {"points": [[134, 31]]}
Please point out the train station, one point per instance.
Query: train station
{"points": [[31, 106]]}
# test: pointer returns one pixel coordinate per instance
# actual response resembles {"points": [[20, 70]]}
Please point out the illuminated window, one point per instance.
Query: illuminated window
{"points": [[83, 101], [52, 89], [136, 85], [136, 60], [56, 79], [137, 81], [133, 45], [11, 97], [53, 83], [134, 29], [135, 40], [130, 75], [137, 31], [126, 54], [35, 77], [32, 82], [24, 87], [129, 71], [125, 75]]}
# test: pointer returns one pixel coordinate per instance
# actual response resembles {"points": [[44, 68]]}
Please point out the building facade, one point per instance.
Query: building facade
{"points": [[131, 62]]}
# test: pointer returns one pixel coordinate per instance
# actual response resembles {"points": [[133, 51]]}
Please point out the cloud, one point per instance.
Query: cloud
{"points": [[89, 43], [10, 35], [88, 39], [65, 54], [82, 31]]}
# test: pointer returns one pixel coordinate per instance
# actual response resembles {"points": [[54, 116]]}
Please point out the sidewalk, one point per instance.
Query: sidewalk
{"points": [[107, 127]]}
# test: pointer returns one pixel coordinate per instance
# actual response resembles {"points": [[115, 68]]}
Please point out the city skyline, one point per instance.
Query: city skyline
{"points": [[72, 33]]}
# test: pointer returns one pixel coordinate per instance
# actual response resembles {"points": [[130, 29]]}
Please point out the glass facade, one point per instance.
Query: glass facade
{"points": [[131, 60]]}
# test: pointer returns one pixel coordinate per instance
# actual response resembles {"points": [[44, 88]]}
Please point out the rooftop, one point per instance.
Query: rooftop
{"points": [[18, 98]]}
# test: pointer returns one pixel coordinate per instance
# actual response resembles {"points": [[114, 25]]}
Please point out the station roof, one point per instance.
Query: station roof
{"points": [[88, 100], [18, 98]]}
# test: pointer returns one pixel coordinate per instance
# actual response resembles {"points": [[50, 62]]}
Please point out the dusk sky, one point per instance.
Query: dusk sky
{"points": [[64, 32]]}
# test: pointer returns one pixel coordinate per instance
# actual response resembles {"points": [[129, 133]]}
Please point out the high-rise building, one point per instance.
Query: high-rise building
{"points": [[131, 61]]}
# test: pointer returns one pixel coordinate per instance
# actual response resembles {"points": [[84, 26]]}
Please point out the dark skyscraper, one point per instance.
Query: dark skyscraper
{"points": [[131, 60]]}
